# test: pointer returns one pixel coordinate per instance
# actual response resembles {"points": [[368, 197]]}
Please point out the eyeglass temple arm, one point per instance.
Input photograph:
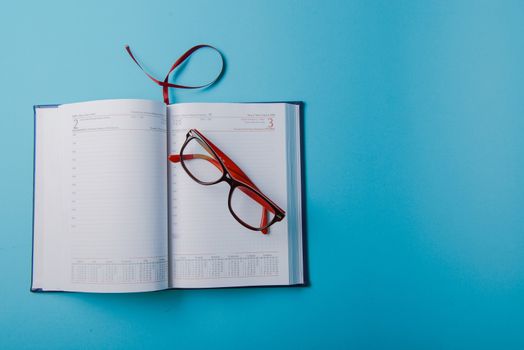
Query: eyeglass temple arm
{"points": [[175, 158], [230, 165]]}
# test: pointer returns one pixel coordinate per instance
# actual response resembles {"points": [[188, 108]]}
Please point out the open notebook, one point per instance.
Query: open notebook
{"points": [[111, 214]]}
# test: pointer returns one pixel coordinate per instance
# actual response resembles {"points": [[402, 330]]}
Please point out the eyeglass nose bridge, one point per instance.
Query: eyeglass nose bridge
{"points": [[227, 178]]}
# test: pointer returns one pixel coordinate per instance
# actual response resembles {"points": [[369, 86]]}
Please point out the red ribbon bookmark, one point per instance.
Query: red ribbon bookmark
{"points": [[166, 85]]}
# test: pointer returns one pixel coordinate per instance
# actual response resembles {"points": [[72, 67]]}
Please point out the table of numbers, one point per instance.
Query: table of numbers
{"points": [[128, 271], [226, 266]]}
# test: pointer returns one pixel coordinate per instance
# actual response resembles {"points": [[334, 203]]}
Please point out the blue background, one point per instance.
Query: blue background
{"points": [[413, 159]]}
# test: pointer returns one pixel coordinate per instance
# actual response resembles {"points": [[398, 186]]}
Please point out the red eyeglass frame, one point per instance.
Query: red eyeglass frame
{"points": [[234, 176]]}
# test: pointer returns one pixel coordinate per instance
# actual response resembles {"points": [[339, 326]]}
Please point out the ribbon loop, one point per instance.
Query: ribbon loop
{"points": [[166, 84]]}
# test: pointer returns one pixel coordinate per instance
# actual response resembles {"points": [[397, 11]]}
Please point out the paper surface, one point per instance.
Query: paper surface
{"points": [[208, 247], [113, 188]]}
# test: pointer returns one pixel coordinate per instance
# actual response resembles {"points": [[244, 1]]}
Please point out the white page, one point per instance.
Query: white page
{"points": [[209, 248], [114, 196], [48, 223]]}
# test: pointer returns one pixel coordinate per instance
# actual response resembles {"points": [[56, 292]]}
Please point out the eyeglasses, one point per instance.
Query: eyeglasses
{"points": [[208, 165]]}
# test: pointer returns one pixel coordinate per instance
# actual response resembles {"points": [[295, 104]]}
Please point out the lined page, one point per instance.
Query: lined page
{"points": [[208, 247], [114, 196]]}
